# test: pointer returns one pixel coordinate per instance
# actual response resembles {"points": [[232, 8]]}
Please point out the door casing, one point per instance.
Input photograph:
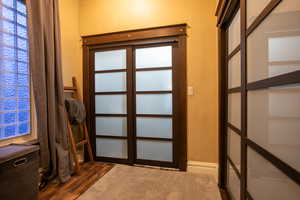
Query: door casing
{"points": [[174, 35]]}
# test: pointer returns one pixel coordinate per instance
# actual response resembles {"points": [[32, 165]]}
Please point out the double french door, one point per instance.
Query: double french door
{"points": [[134, 99]]}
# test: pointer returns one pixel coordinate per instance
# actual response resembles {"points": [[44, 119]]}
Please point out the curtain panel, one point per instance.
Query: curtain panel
{"points": [[48, 90]]}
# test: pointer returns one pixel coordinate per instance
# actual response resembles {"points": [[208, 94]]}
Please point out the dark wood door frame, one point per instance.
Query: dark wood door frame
{"points": [[165, 35], [226, 11]]}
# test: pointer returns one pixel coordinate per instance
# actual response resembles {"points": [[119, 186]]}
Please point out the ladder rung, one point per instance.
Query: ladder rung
{"points": [[81, 143], [70, 88]]}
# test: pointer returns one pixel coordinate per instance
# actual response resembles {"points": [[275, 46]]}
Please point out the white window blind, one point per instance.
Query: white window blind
{"points": [[14, 70]]}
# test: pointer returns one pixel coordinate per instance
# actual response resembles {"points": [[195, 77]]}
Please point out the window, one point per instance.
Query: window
{"points": [[14, 70]]}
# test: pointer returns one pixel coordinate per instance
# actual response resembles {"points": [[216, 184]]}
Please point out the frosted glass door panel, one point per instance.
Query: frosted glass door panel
{"points": [[153, 57], [234, 109], [234, 71], [154, 150], [274, 47], [270, 61], [254, 8], [113, 126], [154, 127], [234, 33], [233, 183], [291, 46], [234, 148], [265, 181], [113, 148], [274, 122], [110, 104], [154, 104], [154, 80], [110, 60], [110, 82]]}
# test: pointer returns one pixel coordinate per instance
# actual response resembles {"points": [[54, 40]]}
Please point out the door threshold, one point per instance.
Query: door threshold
{"points": [[156, 167]]}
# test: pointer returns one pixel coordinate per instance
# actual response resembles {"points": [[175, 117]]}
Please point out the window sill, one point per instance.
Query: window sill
{"points": [[23, 139]]}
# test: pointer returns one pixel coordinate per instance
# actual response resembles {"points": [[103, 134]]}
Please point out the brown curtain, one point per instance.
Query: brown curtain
{"points": [[46, 70]]}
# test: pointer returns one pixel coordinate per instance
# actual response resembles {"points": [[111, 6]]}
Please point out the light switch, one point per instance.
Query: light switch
{"points": [[190, 91]]}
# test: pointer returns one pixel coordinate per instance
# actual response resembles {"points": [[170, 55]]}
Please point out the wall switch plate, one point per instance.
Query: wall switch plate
{"points": [[190, 91]]}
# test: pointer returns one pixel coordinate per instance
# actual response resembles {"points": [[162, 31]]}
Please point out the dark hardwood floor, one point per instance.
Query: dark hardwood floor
{"points": [[89, 174]]}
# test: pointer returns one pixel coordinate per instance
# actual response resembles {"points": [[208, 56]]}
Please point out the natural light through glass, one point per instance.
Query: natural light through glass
{"points": [[14, 70], [154, 57]]}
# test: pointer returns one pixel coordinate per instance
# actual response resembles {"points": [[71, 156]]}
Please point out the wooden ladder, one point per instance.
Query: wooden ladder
{"points": [[86, 141]]}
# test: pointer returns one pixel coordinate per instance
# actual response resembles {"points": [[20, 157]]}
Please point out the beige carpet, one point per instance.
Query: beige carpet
{"points": [[140, 183]]}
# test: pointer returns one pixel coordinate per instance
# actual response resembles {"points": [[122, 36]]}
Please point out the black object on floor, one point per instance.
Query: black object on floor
{"points": [[19, 172]]}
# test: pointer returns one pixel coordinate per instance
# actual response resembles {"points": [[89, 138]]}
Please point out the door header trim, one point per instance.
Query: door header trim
{"points": [[137, 34]]}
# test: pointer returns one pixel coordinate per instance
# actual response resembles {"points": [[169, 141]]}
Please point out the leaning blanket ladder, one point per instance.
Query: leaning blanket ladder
{"points": [[86, 141]]}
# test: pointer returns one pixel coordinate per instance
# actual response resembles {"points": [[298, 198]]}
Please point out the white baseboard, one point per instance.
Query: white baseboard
{"points": [[203, 167]]}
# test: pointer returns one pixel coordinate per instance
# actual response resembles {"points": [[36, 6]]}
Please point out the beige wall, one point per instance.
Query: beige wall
{"points": [[70, 41], [102, 16]]}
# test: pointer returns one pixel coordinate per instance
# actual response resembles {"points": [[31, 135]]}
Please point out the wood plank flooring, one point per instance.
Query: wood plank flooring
{"points": [[89, 174]]}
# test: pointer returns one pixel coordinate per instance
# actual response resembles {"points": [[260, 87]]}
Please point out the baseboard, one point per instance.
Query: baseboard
{"points": [[202, 164], [203, 167]]}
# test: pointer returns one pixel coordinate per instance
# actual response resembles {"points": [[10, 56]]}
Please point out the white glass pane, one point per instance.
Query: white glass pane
{"points": [[153, 57], [115, 126], [274, 46], [109, 60], [234, 71], [110, 82], [254, 8], [113, 148], [234, 33], [234, 148], [110, 104], [154, 104], [154, 127], [234, 109], [233, 183], [289, 43], [274, 122], [154, 150], [154, 80], [266, 182]]}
